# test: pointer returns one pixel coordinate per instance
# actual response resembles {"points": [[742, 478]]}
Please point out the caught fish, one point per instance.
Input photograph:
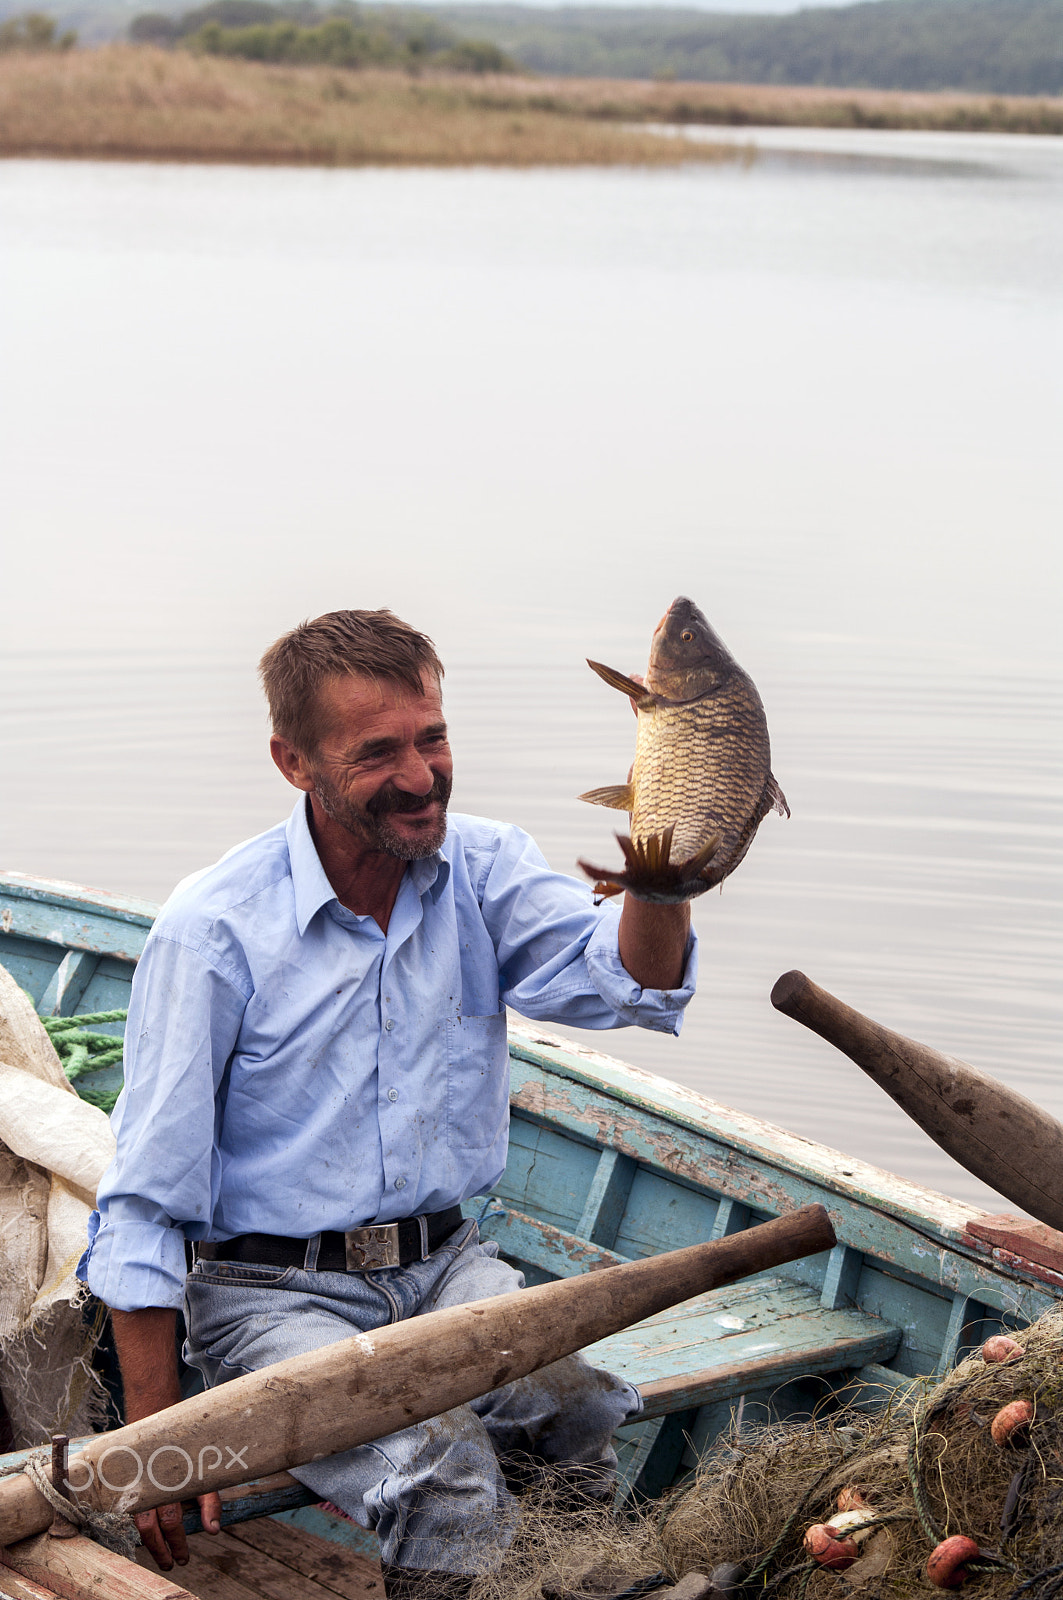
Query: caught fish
{"points": [[702, 781]]}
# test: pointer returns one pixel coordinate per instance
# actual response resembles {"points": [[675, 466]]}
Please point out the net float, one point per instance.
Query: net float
{"points": [[827, 1549], [836, 1544], [1001, 1348], [852, 1498], [1011, 1423], [947, 1565]]}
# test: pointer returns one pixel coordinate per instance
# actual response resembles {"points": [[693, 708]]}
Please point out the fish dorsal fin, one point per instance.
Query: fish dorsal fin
{"points": [[619, 796], [776, 796], [617, 680]]}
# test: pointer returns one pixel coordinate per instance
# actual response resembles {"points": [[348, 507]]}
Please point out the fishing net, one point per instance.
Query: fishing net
{"points": [[926, 1465], [53, 1150]]}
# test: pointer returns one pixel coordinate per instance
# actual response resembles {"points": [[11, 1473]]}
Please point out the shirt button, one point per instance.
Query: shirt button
{"points": [[393, 1094], [400, 1183], [389, 1024]]}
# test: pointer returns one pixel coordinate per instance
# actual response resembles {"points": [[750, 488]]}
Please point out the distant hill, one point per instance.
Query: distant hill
{"points": [[978, 46], [985, 46]]}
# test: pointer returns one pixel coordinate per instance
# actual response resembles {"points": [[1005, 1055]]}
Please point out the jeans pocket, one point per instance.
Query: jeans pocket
{"points": [[477, 1081], [242, 1274]]}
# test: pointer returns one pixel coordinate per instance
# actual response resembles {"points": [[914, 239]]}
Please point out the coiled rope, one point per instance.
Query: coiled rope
{"points": [[82, 1050]]}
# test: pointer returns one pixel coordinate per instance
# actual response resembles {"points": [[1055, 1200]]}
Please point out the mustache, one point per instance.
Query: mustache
{"points": [[390, 801]]}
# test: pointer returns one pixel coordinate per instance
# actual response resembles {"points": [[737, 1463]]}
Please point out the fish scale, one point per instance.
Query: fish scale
{"points": [[701, 782]]}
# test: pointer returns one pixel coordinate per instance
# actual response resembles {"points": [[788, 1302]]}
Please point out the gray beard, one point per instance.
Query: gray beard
{"points": [[378, 833]]}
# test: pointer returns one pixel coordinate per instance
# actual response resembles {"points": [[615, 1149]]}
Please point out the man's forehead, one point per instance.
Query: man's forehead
{"points": [[355, 702]]}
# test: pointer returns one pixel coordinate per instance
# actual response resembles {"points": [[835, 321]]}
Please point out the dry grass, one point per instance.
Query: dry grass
{"points": [[134, 102], [765, 105]]}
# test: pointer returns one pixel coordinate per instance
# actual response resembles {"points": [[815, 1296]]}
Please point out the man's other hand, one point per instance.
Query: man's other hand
{"points": [[147, 1354], [162, 1530]]}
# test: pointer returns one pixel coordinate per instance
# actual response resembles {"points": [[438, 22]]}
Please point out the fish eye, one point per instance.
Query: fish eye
{"points": [[686, 636]]}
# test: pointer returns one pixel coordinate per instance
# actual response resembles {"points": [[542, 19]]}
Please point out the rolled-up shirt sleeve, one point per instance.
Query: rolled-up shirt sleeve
{"points": [[184, 1019], [659, 1009], [559, 953]]}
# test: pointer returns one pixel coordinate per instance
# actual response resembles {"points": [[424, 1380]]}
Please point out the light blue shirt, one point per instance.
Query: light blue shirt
{"points": [[289, 1068]]}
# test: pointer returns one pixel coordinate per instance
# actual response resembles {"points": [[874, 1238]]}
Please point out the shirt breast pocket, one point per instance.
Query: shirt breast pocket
{"points": [[477, 1081]]}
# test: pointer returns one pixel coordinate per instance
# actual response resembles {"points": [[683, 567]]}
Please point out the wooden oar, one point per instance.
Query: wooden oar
{"points": [[363, 1388], [996, 1133]]}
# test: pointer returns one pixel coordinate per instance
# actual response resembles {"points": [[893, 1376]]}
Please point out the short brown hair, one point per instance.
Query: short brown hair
{"points": [[366, 644]]}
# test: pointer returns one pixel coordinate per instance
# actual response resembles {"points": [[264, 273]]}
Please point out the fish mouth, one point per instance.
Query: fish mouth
{"points": [[680, 600]]}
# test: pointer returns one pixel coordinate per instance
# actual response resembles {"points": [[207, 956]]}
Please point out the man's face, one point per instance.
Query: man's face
{"points": [[383, 768]]}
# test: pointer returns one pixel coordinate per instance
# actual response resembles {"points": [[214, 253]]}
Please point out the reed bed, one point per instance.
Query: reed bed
{"points": [[136, 102], [769, 105], [139, 102]]}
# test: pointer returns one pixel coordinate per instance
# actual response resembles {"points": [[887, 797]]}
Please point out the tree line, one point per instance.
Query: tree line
{"points": [[341, 35], [981, 46]]}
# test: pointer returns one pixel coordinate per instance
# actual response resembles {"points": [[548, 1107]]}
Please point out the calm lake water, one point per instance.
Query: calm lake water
{"points": [[817, 388]]}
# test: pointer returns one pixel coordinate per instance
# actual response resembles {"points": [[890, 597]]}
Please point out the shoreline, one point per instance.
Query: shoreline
{"points": [[141, 103]]}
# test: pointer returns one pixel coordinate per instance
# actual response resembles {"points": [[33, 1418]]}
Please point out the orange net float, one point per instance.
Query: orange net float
{"points": [[836, 1544], [1011, 1425], [947, 1565], [1001, 1348], [823, 1544]]}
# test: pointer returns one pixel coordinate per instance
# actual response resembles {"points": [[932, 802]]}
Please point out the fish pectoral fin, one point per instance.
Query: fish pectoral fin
{"points": [[617, 680], [619, 796], [776, 797]]}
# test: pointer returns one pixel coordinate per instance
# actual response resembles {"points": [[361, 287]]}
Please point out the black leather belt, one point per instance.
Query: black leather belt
{"points": [[382, 1244]]}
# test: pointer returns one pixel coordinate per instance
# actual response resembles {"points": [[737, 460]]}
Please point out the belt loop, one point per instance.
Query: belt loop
{"points": [[422, 1223], [313, 1248]]}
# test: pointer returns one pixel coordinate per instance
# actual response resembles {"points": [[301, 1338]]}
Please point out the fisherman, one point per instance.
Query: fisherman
{"points": [[316, 1076]]}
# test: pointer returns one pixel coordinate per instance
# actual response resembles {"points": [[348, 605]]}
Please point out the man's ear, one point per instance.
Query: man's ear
{"points": [[292, 763]]}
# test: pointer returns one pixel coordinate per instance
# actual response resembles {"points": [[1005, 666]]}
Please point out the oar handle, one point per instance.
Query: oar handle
{"points": [[1013, 1145], [798, 997]]}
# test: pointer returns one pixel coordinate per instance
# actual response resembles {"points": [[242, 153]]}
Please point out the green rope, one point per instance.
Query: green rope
{"points": [[81, 1049], [932, 1532], [802, 1587], [56, 1025]]}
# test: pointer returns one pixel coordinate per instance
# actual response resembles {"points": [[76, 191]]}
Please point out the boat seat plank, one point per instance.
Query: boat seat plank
{"points": [[201, 1579], [749, 1336], [268, 1578], [332, 1565], [76, 1568], [529, 1240]]}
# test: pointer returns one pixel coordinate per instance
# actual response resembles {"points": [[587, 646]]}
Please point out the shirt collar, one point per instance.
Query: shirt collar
{"points": [[310, 881]]}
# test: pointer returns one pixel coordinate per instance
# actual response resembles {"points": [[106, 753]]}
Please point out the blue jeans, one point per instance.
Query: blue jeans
{"points": [[435, 1494]]}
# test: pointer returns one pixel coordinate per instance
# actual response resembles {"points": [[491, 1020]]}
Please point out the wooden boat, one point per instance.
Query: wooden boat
{"points": [[608, 1163]]}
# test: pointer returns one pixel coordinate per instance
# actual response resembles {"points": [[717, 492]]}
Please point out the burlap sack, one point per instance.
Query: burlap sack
{"points": [[53, 1151]]}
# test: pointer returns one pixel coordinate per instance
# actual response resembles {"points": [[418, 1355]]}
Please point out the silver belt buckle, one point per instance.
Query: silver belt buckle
{"points": [[369, 1249]]}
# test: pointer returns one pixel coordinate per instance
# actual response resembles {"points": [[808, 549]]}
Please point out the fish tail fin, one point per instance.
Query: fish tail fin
{"points": [[649, 872]]}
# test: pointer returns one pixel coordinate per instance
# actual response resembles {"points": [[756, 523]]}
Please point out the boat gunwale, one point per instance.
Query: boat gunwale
{"points": [[78, 897], [754, 1136]]}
